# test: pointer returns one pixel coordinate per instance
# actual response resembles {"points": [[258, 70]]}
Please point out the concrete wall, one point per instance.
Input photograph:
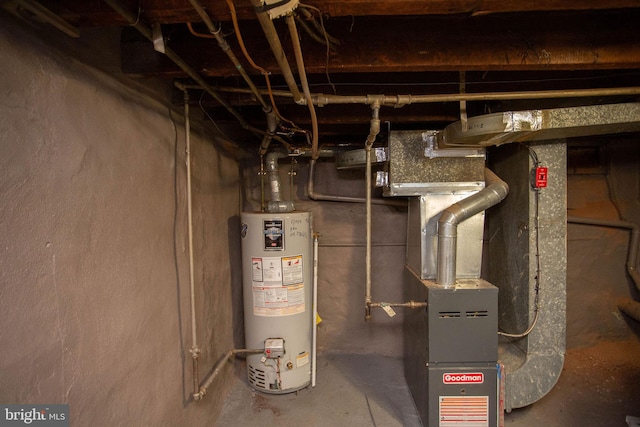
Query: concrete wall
{"points": [[94, 292], [597, 277]]}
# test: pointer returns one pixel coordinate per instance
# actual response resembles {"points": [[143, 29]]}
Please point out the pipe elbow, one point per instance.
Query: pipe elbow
{"points": [[496, 185], [197, 397], [448, 217], [271, 161]]}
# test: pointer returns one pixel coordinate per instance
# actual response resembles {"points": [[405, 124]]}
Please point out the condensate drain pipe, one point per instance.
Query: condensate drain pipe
{"points": [[494, 192]]}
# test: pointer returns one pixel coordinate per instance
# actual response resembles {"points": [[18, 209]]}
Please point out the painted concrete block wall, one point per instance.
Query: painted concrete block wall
{"points": [[94, 292]]}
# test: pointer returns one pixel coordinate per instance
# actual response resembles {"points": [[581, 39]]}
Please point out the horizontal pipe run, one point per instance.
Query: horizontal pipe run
{"points": [[313, 195], [358, 245], [634, 242], [218, 368], [401, 100], [410, 304]]}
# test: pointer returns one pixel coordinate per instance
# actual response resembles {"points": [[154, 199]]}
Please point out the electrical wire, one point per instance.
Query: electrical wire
{"points": [[327, 42], [536, 301]]}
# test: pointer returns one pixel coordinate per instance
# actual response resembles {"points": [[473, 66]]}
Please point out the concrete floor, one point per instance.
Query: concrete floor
{"points": [[599, 386]]}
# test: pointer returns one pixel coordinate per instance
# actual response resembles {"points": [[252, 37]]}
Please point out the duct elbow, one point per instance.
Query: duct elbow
{"points": [[448, 217], [496, 185]]}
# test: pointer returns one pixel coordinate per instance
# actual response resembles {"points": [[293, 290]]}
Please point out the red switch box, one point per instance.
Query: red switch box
{"points": [[540, 178]]}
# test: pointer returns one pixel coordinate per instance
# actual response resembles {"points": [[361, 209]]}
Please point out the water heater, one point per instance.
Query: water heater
{"points": [[277, 268]]}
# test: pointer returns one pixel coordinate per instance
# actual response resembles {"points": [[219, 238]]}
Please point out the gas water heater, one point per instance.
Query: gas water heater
{"points": [[277, 268]]}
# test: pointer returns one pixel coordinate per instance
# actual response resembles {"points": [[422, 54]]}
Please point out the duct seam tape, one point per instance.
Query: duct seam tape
{"points": [[519, 121]]}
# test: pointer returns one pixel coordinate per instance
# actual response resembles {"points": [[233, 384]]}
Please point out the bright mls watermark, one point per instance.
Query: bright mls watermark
{"points": [[34, 415]]}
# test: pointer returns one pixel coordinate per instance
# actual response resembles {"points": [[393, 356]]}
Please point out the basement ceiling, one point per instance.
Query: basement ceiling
{"points": [[383, 47]]}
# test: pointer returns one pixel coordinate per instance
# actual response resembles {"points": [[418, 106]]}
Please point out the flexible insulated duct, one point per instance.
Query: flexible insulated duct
{"points": [[494, 192]]}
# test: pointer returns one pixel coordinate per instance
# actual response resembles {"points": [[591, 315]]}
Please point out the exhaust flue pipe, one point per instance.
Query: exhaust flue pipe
{"points": [[276, 204], [494, 192]]}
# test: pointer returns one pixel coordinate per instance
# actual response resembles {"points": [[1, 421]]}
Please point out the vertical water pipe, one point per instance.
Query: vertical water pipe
{"points": [[314, 336], [195, 350], [373, 132]]}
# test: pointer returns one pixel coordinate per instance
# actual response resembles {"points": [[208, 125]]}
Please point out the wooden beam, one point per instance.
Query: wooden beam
{"points": [[586, 41], [97, 13]]}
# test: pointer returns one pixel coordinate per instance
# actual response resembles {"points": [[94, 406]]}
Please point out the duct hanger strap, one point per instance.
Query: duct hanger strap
{"points": [[278, 8]]}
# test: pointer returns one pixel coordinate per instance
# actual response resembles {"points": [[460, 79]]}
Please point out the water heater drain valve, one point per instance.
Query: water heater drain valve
{"points": [[274, 348]]}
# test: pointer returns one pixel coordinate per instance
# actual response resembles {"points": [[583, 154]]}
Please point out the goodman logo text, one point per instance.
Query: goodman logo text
{"points": [[463, 378]]}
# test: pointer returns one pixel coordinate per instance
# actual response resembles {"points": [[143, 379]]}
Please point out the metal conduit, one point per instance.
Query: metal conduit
{"points": [[276, 47], [495, 191], [227, 50], [146, 32]]}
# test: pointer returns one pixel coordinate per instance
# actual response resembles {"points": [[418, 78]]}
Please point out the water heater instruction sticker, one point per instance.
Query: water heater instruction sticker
{"points": [[278, 286]]}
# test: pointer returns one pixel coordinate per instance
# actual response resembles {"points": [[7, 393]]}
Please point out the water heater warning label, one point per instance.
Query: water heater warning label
{"points": [[278, 286]]}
